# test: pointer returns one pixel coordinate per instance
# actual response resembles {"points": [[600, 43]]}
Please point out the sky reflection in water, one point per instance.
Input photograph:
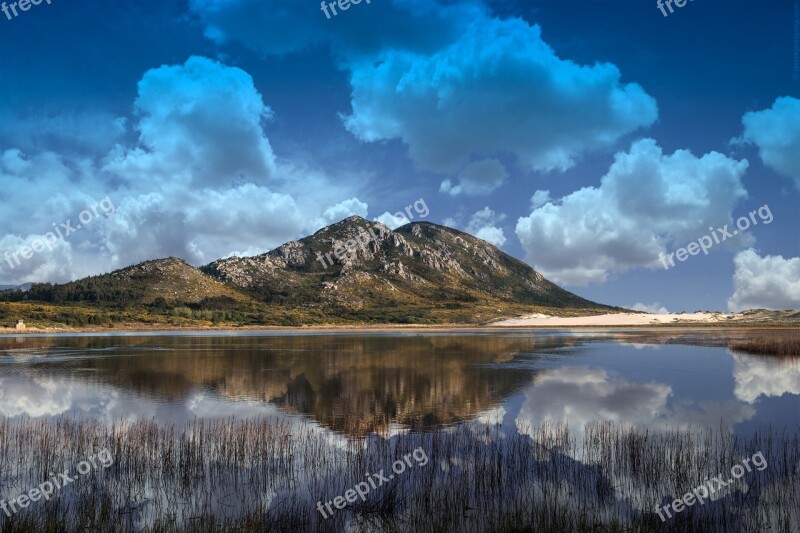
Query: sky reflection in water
{"points": [[355, 384]]}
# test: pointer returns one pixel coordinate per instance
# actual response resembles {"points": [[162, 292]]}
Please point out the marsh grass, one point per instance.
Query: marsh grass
{"points": [[783, 344], [268, 474]]}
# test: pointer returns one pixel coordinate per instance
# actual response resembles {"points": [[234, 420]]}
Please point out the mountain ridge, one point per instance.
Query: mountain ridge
{"points": [[412, 259], [352, 271]]}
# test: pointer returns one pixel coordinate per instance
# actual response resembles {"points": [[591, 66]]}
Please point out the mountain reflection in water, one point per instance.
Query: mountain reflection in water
{"points": [[550, 431], [356, 384]]}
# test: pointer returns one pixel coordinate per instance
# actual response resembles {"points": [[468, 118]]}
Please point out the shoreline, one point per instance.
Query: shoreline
{"points": [[7, 333], [756, 319]]}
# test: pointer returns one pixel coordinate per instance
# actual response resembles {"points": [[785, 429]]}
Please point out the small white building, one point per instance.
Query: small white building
{"points": [[20, 326]]}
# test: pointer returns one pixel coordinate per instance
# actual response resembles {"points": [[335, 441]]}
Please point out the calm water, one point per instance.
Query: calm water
{"points": [[353, 384], [474, 401]]}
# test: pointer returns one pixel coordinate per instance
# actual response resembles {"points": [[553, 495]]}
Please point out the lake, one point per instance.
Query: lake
{"points": [[493, 430]]}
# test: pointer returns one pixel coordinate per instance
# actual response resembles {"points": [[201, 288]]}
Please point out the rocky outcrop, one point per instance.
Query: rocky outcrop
{"points": [[356, 260]]}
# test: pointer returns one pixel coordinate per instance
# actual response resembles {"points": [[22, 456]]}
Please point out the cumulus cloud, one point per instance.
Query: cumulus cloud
{"points": [[477, 178], [492, 234], [645, 201], [654, 308], [207, 225], [39, 193], [540, 198], [776, 133], [71, 131], [393, 221], [769, 282], [345, 209], [458, 87], [55, 261], [200, 182], [200, 122], [484, 225], [66, 180], [498, 89]]}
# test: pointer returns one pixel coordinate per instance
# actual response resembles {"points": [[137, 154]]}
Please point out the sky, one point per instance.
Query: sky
{"points": [[590, 139]]}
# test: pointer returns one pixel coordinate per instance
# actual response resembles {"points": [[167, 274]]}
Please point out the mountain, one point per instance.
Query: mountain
{"points": [[23, 287], [171, 280], [352, 272], [365, 270]]}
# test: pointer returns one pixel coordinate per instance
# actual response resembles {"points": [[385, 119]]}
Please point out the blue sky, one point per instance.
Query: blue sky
{"points": [[584, 137]]}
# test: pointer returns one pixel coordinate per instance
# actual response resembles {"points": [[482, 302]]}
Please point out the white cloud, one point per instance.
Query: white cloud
{"points": [[492, 235], [202, 182], [498, 89], [769, 282], [654, 308], [200, 122], [39, 193], [484, 225], [344, 209], [448, 187], [46, 264], [645, 201], [776, 133], [450, 222], [71, 184], [540, 198], [477, 178], [393, 221], [70, 130]]}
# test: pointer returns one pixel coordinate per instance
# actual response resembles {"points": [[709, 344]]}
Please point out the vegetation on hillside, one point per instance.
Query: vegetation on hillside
{"points": [[419, 274]]}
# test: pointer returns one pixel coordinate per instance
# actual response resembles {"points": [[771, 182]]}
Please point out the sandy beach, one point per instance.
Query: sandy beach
{"points": [[616, 319]]}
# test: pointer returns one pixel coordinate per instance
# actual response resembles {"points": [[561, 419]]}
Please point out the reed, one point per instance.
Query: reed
{"points": [[268, 474], [777, 344]]}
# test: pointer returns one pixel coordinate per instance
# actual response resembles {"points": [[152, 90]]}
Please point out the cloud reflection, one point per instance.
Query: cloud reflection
{"points": [[580, 395], [758, 376]]}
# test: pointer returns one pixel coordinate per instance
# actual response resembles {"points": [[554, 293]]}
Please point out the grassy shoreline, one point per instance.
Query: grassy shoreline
{"points": [[147, 328]]}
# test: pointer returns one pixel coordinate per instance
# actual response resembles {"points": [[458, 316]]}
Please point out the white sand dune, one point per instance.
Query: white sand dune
{"points": [[615, 319]]}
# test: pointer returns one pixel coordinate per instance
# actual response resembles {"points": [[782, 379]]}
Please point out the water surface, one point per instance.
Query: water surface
{"points": [[354, 384]]}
